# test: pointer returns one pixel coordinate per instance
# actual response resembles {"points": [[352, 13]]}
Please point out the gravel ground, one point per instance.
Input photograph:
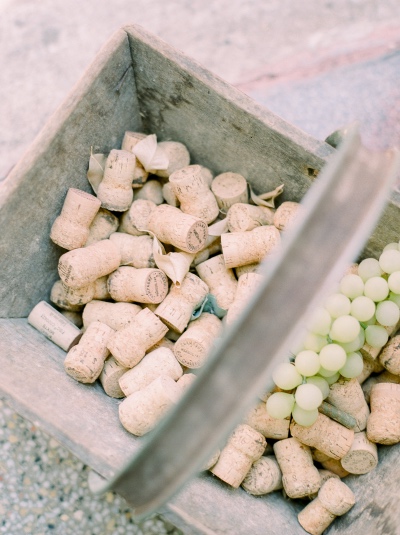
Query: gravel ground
{"points": [[44, 490]]}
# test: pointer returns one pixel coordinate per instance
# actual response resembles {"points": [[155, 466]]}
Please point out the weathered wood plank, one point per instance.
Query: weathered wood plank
{"points": [[85, 420], [95, 114], [223, 128]]}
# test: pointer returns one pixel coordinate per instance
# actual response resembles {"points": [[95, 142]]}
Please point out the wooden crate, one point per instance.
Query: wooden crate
{"points": [[139, 83]]}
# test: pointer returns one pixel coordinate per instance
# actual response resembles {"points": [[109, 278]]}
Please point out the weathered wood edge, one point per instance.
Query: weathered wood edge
{"points": [[45, 137], [95, 114], [290, 133], [84, 420]]}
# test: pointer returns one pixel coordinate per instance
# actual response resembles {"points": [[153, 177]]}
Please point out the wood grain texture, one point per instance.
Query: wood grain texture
{"points": [[95, 114], [223, 129]]}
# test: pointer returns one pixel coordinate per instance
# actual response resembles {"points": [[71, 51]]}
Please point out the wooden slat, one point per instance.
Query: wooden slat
{"points": [[95, 114], [223, 129]]}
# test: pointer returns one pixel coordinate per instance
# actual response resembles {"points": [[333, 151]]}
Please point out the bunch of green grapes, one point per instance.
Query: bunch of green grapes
{"points": [[360, 311]]}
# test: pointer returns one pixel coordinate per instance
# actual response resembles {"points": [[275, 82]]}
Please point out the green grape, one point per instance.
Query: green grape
{"points": [[353, 367], [308, 397], [332, 357], [356, 344], [376, 288], [322, 384], [392, 245], [376, 336], [369, 268], [332, 378], [387, 313], [286, 376], [320, 322], [390, 261], [307, 363], [304, 418], [395, 297], [394, 282], [345, 329], [362, 308], [351, 286], [326, 373], [279, 405], [338, 305], [314, 342]]}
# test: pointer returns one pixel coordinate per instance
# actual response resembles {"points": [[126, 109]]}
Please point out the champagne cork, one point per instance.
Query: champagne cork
{"points": [[151, 191], [203, 255], [135, 251], [146, 285], [159, 362], [286, 215], [241, 248], [269, 427], [177, 308], [70, 230], [325, 435], [318, 456], [59, 298], [244, 447], [79, 296], [103, 225], [247, 285], [110, 376], [300, 477], [230, 188], [101, 289], [220, 280], [178, 157], [367, 387], [80, 267], [184, 231], [208, 177], [248, 268], [264, 477], [347, 395], [335, 466], [54, 326], [169, 195], [84, 362], [136, 220], [164, 342], [194, 345], [115, 190], [325, 475], [73, 317], [129, 345], [390, 355], [383, 426], [186, 382], [244, 217], [384, 377], [193, 193], [141, 411], [115, 315], [368, 368], [131, 139], [212, 461], [362, 456], [334, 499]]}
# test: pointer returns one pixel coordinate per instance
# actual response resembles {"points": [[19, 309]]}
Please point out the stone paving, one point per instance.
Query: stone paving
{"points": [[318, 64]]}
